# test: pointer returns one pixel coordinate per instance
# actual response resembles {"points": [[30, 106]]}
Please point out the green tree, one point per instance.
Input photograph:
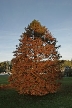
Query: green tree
{"points": [[2, 67]]}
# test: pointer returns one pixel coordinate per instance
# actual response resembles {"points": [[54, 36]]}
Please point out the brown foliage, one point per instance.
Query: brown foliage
{"points": [[36, 67]]}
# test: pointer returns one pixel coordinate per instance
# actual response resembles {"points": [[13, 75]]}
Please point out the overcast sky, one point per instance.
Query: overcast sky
{"points": [[15, 15]]}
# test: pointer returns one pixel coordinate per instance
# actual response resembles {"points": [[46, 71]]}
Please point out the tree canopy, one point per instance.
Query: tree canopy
{"points": [[2, 67], [36, 66]]}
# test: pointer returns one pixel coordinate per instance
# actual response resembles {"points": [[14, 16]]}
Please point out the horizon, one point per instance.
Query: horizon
{"points": [[16, 15]]}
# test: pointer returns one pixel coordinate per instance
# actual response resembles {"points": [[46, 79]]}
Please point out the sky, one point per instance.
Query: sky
{"points": [[15, 15]]}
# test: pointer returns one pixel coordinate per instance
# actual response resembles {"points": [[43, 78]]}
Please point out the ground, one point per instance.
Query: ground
{"points": [[61, 99]]}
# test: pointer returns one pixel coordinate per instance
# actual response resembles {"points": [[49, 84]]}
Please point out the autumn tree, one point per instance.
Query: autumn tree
{"points": [[35, 66]]}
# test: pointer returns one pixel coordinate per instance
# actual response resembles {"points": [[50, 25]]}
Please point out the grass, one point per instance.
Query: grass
{"points": [[61, 99], [3, 79]]}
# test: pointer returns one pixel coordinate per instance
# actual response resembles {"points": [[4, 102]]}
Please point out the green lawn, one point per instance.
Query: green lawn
{"points": [[61, 99], [3, 79]]}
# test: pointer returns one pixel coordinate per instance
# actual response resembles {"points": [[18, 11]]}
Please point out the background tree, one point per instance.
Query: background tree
{"points": [[5, 66], [35, 66], [66, 63], [8, 66], [2, 67]]}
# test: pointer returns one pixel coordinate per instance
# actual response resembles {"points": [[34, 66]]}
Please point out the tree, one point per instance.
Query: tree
{"points": [[35, 66], [8, 66], [2, 67]]}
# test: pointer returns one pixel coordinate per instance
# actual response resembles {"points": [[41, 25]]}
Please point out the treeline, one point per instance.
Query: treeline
{"points": [[5, 66], [67, 63], [66, 68]]}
